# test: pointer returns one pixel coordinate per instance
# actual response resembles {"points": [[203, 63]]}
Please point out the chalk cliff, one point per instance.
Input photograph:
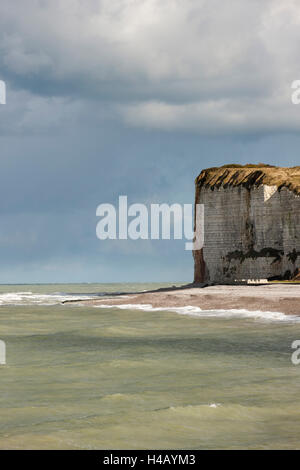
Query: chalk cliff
{"points": [[251, 223]]}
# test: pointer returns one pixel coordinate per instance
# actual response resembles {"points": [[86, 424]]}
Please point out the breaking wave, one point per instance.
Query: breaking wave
{"points": [[30, 298], [220, 313]]}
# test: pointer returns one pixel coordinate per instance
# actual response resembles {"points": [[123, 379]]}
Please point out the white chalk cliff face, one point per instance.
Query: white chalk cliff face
{"points": [[251, 229]]}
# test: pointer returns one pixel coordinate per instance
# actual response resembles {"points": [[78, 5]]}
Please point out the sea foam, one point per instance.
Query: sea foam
{"points": [[30, 298], [219, 313]]}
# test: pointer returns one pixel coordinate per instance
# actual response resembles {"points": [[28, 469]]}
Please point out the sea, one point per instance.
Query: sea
{"points": [[134, 377]]}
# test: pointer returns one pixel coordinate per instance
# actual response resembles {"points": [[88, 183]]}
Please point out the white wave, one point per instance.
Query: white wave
{"points": [[29, 298], [220, 313]]}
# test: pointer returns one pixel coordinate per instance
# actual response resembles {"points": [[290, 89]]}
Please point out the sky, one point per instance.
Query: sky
{"points": [[132, 97]]}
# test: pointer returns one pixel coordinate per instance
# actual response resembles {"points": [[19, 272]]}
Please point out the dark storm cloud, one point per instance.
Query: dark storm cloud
{"points": [[122, 97], [184, 65]]}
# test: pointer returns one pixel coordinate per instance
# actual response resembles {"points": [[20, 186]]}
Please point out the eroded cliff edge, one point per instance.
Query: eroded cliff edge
{"points": [[251, 223]]}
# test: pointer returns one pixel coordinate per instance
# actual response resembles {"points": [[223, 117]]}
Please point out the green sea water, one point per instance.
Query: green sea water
{"points": [[91, 378]]}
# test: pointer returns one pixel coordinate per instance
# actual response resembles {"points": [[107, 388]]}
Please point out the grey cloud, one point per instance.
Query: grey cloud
{"points": [[119, 97], [190, 60]]}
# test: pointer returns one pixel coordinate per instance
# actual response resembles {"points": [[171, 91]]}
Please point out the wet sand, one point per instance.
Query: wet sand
{"points": [[284, 298]]}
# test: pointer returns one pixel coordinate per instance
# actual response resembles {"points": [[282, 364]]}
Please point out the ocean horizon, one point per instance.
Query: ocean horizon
{"points": [[84, 377]]}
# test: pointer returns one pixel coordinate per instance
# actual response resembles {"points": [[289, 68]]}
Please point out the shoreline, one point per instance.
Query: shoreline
{"points": [[283, 298]]}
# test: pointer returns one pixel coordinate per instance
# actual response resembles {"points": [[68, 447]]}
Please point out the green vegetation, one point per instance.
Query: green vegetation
{"points": [[253, 254], [293, 256], [249, 176]]}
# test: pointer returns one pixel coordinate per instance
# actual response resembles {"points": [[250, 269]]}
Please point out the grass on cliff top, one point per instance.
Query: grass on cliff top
{"points": [[250, 175]]}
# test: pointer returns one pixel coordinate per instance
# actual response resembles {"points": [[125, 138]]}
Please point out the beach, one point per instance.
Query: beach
{"points": [[284, 298]]}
